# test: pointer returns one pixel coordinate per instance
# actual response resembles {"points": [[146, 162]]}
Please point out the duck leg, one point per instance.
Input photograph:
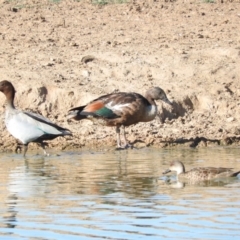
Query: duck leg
{"points": [[126, 145], [18, 147], [125, 141], [43, 145], [118, 137], [25, 148]]}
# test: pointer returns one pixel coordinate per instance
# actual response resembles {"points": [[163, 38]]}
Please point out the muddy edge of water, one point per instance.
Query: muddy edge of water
{"points": [[95, 143]]}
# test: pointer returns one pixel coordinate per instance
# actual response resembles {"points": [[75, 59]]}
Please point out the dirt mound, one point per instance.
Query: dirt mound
{"points": [[63, 55]]}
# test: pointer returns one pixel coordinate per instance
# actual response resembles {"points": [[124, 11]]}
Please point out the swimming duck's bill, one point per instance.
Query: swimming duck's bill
{"points": [[166, 171]]}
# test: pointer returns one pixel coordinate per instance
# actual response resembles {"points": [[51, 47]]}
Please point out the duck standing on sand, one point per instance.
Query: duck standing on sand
{"points": [[26, 126], [200, 173], [121, 109]]}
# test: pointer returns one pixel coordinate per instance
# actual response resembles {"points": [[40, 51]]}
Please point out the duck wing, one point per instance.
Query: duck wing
{"points": [[95, 109], [28, 127], [212, 172], [45, 124], [109, 106]]}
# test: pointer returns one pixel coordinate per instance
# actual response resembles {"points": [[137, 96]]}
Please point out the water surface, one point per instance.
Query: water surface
{"points": [[117, 195]]}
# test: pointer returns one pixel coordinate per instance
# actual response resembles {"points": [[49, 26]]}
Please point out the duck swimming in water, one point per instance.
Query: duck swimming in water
{"points": [[200, 173], [121, 109], [26, 126]]}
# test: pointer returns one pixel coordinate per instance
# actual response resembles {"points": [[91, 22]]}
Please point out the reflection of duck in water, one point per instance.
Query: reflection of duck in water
{"points": [[200, 173], [24, 183], [10, 216]]}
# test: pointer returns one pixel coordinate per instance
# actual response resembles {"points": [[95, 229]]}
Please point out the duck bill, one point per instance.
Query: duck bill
{"points": [[166, 171], [167, 101]]}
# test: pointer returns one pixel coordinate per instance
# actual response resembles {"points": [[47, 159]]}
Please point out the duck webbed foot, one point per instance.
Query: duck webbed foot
{"points": [[43, 145], [122, 147], [19, 147], [125, 144]]}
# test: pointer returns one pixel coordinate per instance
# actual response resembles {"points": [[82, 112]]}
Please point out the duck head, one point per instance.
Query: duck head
{"points": [[175, 166], [6, 87], [156, 93]]}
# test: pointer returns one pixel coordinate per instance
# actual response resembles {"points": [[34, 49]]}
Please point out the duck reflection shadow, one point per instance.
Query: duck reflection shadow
{"points": [[218, 182], [9, 217], [25, 181], [18, 185]]}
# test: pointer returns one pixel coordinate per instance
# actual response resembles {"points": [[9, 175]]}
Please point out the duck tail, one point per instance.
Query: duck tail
{"points": [[67, 132], [75, 113], [235, 174]]}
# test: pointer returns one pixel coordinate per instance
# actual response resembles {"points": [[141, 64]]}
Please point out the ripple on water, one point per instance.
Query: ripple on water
{"points": [[116, 195]]}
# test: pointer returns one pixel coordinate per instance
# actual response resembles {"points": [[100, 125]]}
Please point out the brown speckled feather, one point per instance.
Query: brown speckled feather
{"points": [[200, 173], [127, 108], [208, 173]]}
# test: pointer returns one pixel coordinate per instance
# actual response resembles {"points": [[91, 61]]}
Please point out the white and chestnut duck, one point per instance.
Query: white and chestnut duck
{"points": [[121, 109], [26, 126]]}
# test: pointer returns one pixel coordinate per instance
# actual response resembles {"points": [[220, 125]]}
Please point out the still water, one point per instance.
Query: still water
{"points": [[117, 195]]}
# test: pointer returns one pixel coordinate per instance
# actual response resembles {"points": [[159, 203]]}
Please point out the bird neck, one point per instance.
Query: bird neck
{"points": [[181, 171], [10, 99], [150, 99]]}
